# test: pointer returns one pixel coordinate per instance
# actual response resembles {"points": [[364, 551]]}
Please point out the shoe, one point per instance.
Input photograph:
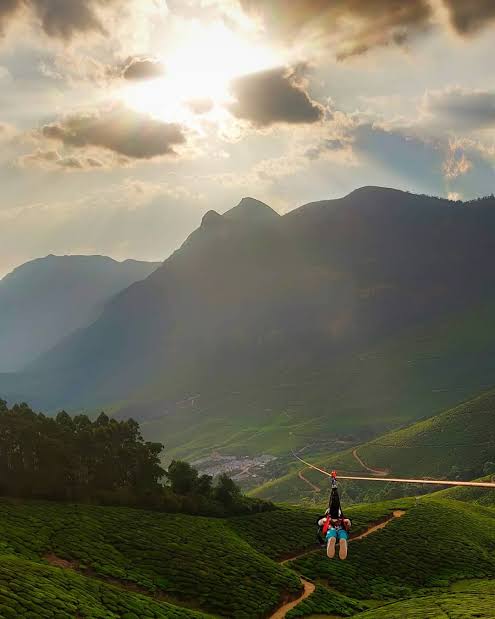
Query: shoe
{"points": [[343, 549], [331, 548]]}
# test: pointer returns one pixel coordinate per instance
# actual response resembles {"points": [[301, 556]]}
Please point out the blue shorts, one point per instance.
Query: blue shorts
{"points": [[338, 533]]}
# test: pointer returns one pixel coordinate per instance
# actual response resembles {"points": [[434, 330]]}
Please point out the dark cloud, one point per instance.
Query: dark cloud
{"points": [[62, 19], [142, 69], [356, 25], [459, 109], [7, 9], [119, 130], [273, 96], [469, 16], [200, 106]]}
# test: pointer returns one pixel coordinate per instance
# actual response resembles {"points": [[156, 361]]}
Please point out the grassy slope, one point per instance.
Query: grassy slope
{"points": [[179, 556], [474, 496], [282, 533], [224, 566], [438, 606], [28, 589], [412, 557], [462, 437], [218, 565], [437, 542], [463, 600], [397, 381]]}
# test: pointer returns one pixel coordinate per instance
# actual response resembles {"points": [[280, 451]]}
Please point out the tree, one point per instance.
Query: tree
{"points": [[203, 485], [74, 458], [182, 477], [226, 491]]}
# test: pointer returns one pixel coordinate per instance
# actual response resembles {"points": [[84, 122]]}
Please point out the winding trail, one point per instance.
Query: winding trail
{"points": [[306, 480], [368, 468], [309, 587]]}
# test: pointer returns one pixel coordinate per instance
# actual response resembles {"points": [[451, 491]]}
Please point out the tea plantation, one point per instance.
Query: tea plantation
{"points": [[458, 443], [285, 532], [34, 591], [325, 601], [438, 606], [126, 564], [437, 542], [189, 559]]}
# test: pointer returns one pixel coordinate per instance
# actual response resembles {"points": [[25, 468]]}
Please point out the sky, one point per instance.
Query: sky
{"points": [[123, 121]]}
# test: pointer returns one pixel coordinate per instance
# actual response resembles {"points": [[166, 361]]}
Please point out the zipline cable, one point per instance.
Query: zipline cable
{"points": [[397, 480]]}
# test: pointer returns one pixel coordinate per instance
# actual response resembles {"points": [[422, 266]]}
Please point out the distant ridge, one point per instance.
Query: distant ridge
{"points": [[250, 332], [44, 300]]}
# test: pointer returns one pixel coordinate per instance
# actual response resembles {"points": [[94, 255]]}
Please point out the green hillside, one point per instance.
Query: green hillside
{"points": [[422, 549], [31, 590], [183, 559], [420, 565], [65, 561], [361, 394], [458, 444], [438, 606]]}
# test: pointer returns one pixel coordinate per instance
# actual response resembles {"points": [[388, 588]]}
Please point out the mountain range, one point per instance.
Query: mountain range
{"points": [[45, 300], [326, 326]]}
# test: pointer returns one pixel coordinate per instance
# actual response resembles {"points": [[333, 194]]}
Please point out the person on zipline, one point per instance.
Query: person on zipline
{"points": [[334, 525]]}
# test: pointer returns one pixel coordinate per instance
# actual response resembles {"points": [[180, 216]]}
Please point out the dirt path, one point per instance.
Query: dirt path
{"points": [[308, 586], [283, 610], [305, 479], [380, 472], [381, 525]]}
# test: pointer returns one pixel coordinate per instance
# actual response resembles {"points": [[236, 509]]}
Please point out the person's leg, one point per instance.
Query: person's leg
{"points": [[331, 541], [342, 534]]}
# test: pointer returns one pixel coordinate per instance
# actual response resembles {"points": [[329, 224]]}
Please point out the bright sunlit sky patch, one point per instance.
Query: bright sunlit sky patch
{"points": [[122, 123], [200, 65]]}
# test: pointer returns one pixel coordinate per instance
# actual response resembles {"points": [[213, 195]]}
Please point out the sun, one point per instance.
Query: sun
{"points": [[199, 67]]}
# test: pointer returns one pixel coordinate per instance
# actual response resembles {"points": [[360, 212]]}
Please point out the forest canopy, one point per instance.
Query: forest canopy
{"points": [[103, 461]]}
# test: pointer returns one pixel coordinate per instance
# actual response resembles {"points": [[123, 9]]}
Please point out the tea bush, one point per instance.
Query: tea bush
{"points": [[36, 591], [324, 601], [188, 557], [435, 543], [439, 606]]}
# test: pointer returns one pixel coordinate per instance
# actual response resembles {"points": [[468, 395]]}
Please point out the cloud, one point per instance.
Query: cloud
{"points": [[273, 96], [51, 159], [200, 106], [456, 164], [469, 16], [61, 19], [7, 132], [330, 145], [459, 109], [8, 8], [354, 26], [142, 69], [119, 130]]}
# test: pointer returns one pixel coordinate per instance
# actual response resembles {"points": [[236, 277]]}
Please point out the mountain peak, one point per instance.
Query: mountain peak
{"points": [[210, 217], [252, 210]]}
